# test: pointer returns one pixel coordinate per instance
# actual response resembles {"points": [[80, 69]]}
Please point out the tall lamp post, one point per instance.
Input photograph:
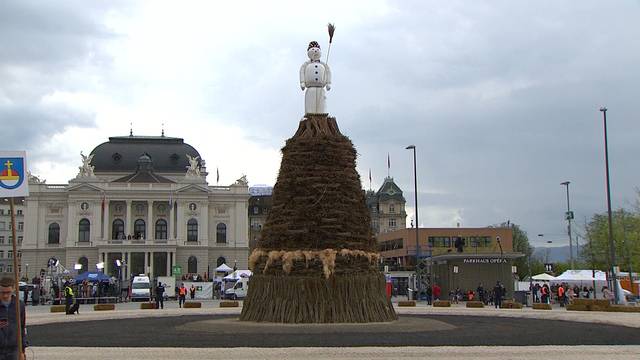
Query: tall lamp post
{"points": [[415, 188], [568, 217], [612, 248]]}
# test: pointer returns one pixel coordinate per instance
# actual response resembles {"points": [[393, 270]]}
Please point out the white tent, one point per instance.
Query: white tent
{"points": [[237, 275], [224, 268], [581, 275], [543, 277]]}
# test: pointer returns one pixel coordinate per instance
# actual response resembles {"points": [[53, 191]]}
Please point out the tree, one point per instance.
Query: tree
{"points": [[521, 244], [626, 236]]}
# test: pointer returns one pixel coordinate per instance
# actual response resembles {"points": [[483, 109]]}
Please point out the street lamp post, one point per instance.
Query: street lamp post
{"points": [[612, 248], [415, 188], [569, 216]]}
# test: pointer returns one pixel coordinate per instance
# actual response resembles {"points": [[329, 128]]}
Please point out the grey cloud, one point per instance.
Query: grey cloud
{"points": [[500, 98]]}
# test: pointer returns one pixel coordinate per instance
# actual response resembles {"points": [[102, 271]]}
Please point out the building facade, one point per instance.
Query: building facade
{"points": [[6, 236], [142, 200], [387, 208], [259, 205], [460, 257]]}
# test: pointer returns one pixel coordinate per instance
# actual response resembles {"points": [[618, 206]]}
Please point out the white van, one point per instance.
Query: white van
{"points": [[239, 289], [140, 288]]}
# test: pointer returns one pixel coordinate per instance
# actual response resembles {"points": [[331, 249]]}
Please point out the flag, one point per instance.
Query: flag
{"points": [[369, 175], [217, 176], [388, 162]]}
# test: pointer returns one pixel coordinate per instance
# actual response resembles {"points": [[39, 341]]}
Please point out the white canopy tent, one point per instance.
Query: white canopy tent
{"points": [[543, 277], [237, 275], [581, 275], [224, 268]]}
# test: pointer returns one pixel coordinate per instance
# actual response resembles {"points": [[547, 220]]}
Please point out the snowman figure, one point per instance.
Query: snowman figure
{"points": [[315, 76]]}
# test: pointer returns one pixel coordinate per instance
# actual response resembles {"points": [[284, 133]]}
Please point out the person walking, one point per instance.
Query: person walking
{"points": [[561, 295], [69, 307], [160, 296], [8, 329], [192, 292], [182, 294], [429, 294], [481, 295], [497, 294], [437, 291]]}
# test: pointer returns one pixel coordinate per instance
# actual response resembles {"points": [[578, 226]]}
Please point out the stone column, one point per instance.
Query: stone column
{"points": [[150, 222], [151, 265], [181, 233], [71, 217], [96, 222], [128, 228], [128, 267], [203, 231], [172, 225], [146, 261], [168, 264], [106, 222]]}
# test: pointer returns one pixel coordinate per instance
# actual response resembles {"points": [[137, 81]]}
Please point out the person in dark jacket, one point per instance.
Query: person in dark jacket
{"points": [[498, 294], [482, 296], [160, 296], [8, 334]]}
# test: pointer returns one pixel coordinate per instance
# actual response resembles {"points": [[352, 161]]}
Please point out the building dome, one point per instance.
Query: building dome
{"points": [[126, 153]]}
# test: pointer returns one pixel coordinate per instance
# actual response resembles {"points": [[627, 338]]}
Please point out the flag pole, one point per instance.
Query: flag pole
{"points": [[16, 277]]}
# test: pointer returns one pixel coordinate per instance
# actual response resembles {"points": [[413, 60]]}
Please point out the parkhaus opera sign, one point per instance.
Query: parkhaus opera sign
{"points": [[484, 261]]}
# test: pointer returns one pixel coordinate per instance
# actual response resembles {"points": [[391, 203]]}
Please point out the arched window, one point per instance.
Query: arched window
{"points": [[84, 230], [54, 233], [192, 230], [221, 233], [85, 264], [161, 229], [117, 229], [139, 229], [192, 265], [221, 260]]}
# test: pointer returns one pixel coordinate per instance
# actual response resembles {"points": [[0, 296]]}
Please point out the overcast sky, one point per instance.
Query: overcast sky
{"points": [[500, 98]]}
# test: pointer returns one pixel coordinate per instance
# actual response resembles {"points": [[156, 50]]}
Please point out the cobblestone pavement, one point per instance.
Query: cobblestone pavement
{"points": [[441, 353]]}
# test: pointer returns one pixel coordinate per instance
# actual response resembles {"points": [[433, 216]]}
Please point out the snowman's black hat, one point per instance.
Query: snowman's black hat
{"points": [[313, 44]]}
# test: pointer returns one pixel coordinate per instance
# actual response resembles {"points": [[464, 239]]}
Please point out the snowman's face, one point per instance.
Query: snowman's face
{"points": [[314, 53]]}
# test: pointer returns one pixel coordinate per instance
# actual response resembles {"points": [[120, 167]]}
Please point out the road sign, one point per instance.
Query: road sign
{"points": [[177, 270], [568, 215], [13, 174]]}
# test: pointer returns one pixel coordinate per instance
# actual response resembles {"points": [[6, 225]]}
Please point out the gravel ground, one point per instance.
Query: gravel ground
{"points": [[441, 353]]}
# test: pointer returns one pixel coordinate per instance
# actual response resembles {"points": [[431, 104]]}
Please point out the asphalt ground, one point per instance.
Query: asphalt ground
{"points": [[216, 331]]}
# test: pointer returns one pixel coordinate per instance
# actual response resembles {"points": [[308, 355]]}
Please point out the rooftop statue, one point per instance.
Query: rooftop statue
{"points": [[193, 170], [86, 170]]}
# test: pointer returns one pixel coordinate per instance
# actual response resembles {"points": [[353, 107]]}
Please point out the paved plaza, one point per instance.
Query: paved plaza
{"points": [[364, 353], [212, 332]]}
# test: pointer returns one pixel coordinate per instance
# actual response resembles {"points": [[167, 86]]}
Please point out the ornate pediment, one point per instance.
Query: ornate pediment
{"points": [[193, 189], [83, 187]]}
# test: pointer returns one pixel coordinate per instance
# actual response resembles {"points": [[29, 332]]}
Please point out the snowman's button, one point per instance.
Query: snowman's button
{"points": [[316, 79], [316, 66], [316, 72]]}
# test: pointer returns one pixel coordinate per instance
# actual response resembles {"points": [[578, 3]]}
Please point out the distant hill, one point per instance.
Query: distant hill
{"points": [[556, 254]]}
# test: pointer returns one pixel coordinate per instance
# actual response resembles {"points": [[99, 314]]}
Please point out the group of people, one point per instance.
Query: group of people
{"points": [[564, 293], [493, 296], [181, 294]]}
